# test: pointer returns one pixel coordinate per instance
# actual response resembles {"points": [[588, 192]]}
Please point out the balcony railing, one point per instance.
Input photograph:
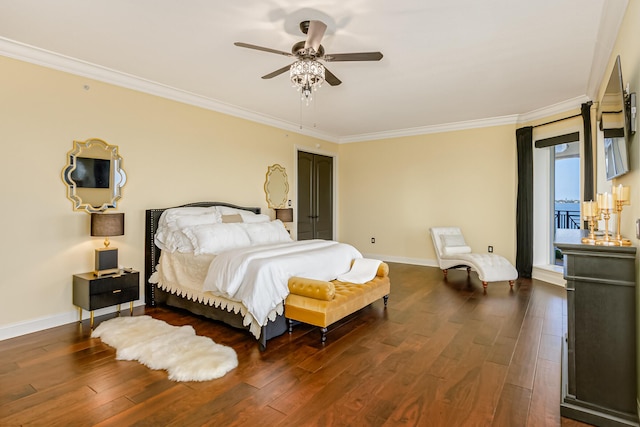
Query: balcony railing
{"points": [[567, 219]]}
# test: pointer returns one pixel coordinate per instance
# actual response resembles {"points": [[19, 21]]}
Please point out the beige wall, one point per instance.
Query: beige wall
{"points": [[173, 154], [627, 47], [395, 189]]}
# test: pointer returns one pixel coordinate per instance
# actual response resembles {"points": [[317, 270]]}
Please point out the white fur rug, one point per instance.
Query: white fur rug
{"points": [[158, 345]]}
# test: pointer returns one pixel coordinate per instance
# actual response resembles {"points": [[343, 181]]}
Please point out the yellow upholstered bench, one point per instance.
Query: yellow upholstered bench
{"points": [[321, 303]]}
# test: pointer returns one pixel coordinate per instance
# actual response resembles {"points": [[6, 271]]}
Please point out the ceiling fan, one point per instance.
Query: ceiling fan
{"points": [[306, 72]]}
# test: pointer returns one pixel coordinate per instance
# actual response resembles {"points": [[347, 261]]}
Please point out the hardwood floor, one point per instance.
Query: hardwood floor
{"points": [[441, 354]]}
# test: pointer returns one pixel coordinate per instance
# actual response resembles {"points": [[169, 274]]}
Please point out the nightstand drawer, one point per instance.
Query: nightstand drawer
{"points": [[114, 297], [107, 284], [91, 292]]}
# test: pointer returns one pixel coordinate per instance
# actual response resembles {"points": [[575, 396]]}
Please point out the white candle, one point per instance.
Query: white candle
{"points": [[589, 209], [586, 209], [625, 195], [605, 201]]}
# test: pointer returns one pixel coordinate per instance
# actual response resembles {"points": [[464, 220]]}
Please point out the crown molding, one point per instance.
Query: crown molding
{"points": [[559, 108], [45, 58], [447, 127]]}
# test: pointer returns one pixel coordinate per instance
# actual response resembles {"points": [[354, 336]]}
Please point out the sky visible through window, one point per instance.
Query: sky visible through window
{"points": [[567, 179]]}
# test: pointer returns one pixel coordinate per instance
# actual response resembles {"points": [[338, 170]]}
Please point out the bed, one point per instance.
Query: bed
{"points": [[238, 280]]}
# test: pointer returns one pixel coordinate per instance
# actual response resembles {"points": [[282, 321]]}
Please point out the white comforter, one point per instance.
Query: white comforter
{"points": [[258, 276]]}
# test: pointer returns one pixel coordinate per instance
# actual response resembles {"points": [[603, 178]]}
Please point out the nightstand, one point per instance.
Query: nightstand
{"points": [[91, 292]]}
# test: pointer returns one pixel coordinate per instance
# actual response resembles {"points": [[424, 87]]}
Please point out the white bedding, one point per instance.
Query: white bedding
{"points": [[258, 276], [252, 281], [183, 275]]}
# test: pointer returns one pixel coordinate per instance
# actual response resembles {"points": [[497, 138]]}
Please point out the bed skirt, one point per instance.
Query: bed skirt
{"points": [[272, 329]]}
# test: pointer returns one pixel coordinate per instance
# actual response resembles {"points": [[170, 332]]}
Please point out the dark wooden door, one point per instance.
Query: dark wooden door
{"points": [[315, 196]]}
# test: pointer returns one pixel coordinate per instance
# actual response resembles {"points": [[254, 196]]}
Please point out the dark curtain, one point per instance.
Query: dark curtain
{"points": [[524, 207], [589, 191]]}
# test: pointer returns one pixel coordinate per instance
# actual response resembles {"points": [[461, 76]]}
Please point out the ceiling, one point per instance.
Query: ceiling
{"points": [[445, 62]]}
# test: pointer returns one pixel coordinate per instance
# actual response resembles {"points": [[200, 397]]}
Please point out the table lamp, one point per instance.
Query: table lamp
{"points": [[106, 225], [285, 215]]}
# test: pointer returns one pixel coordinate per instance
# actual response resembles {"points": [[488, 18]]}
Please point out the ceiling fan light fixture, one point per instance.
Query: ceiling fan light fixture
{"points": [[307, 75]]}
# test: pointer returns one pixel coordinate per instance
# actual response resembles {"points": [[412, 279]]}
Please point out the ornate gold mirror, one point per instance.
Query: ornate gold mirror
{"points": [[93, 175], [276, 187]]}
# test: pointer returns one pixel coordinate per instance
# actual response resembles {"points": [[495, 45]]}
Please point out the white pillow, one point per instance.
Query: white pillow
{"points": [[172, 241], [212, 217], [169, 216], [216, 238], [456, 250], [454, 244], [247, 216], [169, 236], [453, 240], [263, 233], [250, 217]]}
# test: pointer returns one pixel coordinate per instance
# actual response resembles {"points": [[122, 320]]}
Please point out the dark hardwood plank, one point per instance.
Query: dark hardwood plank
{"points": [[443, 353]]}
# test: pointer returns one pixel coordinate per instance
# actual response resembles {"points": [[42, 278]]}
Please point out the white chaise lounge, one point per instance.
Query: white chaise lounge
{"points": [[452, 252]]}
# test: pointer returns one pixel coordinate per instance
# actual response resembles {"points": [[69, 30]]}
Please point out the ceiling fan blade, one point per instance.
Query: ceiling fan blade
{"points": [[264, 49], [331, 78], [315, 34], [277, 72], [356, 56]]}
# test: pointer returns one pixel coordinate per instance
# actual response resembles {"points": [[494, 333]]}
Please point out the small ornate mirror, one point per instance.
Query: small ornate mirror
{"points": [[276, 187], [93, 175]]}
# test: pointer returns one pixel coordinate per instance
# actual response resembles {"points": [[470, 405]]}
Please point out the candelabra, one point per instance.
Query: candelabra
{"points": [[591, 213], [621, 241], [606, 240], [608, 203]]}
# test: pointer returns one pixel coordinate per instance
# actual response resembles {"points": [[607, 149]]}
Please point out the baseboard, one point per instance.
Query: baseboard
{"points": [[550, 274], [403, 260], [14, 330], [47, 322]]}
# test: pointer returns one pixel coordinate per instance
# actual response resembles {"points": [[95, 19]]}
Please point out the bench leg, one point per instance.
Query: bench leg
{"points": [[386, 300], [290, 322], [323, 338]]}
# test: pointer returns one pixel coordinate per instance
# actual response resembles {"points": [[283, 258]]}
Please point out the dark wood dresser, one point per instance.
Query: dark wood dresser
{"points": [[599, 382]]}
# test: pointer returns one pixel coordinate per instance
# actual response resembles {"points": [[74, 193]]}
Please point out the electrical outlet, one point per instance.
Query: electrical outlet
{"points": [[490, 249], [373, 240]]}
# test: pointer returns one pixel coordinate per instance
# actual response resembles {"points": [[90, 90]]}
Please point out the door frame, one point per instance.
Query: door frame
{"points": [[334, 156]]}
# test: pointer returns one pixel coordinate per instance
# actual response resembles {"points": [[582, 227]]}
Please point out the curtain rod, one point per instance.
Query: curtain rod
{"points": [[558, 120]]}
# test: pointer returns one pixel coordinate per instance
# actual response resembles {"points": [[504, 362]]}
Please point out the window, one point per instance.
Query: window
{"points": [[565, 163], [557, 185]]}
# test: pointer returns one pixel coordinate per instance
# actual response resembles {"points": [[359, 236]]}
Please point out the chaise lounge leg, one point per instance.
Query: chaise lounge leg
{"points": [[445, 273], [484, 285], [323, 338], [469, 271], [511, 283], [290, 322], [386, 300]]}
